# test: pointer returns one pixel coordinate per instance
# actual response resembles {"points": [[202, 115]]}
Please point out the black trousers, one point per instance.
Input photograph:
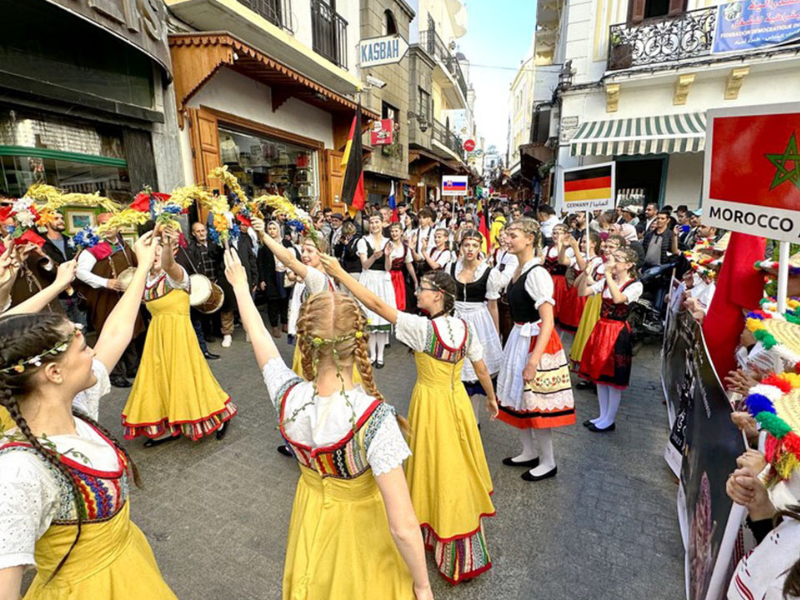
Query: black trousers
{"points": [[278, 311]]}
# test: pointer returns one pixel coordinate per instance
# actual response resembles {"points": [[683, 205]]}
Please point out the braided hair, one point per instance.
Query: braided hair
{"points": [[23, 336], [444, 283]]}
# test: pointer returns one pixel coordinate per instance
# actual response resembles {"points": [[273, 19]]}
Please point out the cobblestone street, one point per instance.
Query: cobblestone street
{"points": [[217, 513]]}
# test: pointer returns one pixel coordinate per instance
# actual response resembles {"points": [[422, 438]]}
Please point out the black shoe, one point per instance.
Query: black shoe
{"points": [[588, 423], [597, 429], [584, 385], [157, 442], [531, 464], [223, 429], [131, 374], [379, 364], [210, 355], [285, 450], [528, 477], [120, 382], [210, 339]]}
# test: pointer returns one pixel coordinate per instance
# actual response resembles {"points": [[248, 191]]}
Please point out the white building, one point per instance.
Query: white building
{"points": [[643, 77]]}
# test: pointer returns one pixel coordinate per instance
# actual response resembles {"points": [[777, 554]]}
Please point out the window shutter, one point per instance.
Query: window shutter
{"points": [[636, 11], [676, 7]]}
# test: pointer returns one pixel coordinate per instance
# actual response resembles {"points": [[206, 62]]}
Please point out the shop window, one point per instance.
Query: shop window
{"points": [[389, 23], [269, 165]]}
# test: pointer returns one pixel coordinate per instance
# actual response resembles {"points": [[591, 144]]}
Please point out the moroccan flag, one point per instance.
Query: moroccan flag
{"points": [[483, 227], [353, 165], [587, 184]]}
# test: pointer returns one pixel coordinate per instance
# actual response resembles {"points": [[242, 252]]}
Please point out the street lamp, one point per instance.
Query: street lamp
{"points": [[422, 120]]}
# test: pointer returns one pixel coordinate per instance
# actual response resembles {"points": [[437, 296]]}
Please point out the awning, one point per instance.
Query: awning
{"points": [[644, 135]]}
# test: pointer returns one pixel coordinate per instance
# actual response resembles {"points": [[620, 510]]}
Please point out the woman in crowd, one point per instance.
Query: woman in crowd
{"points": [[447, 474], [438, 258], [606, 359], [175, 392], [375, 277], [346, 250], [557, 260], [534, 391], [352, 505], [273, 282], [572, 311], [70, 520], [399, 264], [478, 287]]}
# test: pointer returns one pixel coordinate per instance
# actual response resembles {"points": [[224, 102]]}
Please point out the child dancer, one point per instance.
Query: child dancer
{"points": [[569, 316], [554, 254], [398, 263], [607, 356]]}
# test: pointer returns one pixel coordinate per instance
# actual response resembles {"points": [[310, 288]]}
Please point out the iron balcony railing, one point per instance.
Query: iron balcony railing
{"points": [[447, 138], [277, 12], [432, 44], [329, 33], [662, 39]]}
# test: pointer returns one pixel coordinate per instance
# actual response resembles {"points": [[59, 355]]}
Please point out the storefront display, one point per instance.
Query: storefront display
{"points": [[268, 165]]}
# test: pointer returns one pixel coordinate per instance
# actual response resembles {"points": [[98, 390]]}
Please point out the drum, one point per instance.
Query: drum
{"points": [[214, 302], [126, 277], [200, 286]]}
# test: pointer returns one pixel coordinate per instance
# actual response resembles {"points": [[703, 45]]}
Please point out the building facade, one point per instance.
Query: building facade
{"points": [[642, 75]]}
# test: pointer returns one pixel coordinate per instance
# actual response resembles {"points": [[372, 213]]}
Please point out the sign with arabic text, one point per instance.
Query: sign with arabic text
{"points": [[751, 24]]}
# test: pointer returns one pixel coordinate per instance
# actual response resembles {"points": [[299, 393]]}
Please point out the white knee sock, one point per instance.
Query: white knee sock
{"points": [[381, 340], [547, 457], [614, 398], [373, 345], [602, 399], [529, 450]]}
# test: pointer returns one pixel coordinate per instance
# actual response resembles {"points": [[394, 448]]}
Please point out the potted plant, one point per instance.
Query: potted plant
{"points": [[621, 54]]}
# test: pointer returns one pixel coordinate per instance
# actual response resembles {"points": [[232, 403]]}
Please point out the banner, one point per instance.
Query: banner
{"points": [[708, 444], [382, 132], [454, 185], [588, 188], [749, 25]]}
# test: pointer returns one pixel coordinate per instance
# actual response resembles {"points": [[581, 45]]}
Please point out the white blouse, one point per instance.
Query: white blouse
{"points": [[538, 283], [29, 495], [633, 292], [416, 332], [497, 280], [441, 257], [183, 285], [398, 250], [325, 420], [316, 281], [363, 250]]}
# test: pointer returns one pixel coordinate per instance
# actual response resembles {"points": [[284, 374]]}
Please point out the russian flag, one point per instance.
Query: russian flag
{"points": [[393, 205]]}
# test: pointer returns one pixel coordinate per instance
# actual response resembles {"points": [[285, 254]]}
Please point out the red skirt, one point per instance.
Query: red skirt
{"points": [[607, 356], [560, 290], [569, 317], [399, 285]]}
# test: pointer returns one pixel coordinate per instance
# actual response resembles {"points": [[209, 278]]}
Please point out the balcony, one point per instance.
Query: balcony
{"points": [[329, 33], [447, 139], [277, 12], [453, 83]]}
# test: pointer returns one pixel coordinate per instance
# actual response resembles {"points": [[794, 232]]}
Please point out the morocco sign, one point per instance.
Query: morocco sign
{"points": [[588, 188], [386, 50], [752, 170], [750, 24]]}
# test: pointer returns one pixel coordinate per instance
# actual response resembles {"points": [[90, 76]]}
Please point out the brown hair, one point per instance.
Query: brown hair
{"points": [[447, 285], [320, 243], [336, 316], [21, 337], [631, 257]]}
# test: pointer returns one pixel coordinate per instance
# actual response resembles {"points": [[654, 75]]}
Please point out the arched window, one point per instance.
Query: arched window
{"points": [[389, 24]]}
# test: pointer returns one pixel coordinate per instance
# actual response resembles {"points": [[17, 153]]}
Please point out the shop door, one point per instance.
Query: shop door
{"points": [[334, 178], [205, 150]]}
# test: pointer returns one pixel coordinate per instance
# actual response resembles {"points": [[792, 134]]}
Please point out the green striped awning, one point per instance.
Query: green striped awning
{"points": [[643, 135]]}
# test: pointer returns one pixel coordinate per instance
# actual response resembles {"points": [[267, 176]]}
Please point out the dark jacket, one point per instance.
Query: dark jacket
{"points": [[51, 250], [666, 244], [191, 259], [267, 274]]}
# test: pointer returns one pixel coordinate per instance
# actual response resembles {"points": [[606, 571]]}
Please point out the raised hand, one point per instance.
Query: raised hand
{"points": [[145, 250], [234, 271], [66, 273]]}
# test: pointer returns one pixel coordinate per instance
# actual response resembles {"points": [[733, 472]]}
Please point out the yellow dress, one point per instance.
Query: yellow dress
{"points": [[447, 474], [590, 316], [6, 422], [174, 389], [339, 545]]}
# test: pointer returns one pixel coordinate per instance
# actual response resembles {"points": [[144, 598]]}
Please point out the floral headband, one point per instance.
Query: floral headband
{"points": [[319, 342], [36, 361]]}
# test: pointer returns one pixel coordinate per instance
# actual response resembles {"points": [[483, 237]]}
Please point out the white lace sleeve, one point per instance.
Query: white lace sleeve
{"points": [[278, 377], [315, 280], [498, 280], [633, 292], [28, 502], [413, 330], [387, 449], [474, 346], [539, 286], [88, 401]]}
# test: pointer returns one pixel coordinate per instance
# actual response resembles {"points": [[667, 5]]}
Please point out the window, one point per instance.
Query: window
{"points": [[389, 112], [638, 10], [424, 104], [541, 126], [389, 23]]}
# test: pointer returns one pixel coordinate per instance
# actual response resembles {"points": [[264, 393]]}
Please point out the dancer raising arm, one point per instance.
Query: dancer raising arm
{"points": [[71, 521], [347, 442], [447, 474]]}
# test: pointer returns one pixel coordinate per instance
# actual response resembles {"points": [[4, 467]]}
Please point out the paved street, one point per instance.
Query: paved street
{"points": [[217, 513]]}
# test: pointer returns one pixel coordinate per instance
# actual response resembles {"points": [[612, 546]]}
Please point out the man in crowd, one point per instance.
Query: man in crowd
{"points": [[657, 244], [630, 215], [59, 249], [498, 224], [244, 248], [650, 213], [579, 225], [337, 220], [547, 220]]}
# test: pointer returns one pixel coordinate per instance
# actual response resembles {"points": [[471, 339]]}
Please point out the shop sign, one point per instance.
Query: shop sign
{"points": [[588, 188], [454, 185], [569, 126], [386, 50], [749, 25], [140, 23], [382, 133], [751, 179]]}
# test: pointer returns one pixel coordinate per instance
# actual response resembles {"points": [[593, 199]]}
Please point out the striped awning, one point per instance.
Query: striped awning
{"points": [[643, 135]]}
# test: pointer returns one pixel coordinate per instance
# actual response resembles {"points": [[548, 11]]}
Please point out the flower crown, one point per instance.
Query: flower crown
{"points": [[319, 342], [36, 361]]}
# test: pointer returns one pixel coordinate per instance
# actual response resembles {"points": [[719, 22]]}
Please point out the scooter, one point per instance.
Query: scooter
{"points": [[646, 319]]}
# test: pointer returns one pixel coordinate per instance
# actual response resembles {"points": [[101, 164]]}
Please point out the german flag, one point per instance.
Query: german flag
{"points": [[587, 184], [353, 165]]}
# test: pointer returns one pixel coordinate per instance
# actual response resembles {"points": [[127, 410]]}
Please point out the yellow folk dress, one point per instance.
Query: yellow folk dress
{"points": [[339, 545], [175, 390], [447, 474]]}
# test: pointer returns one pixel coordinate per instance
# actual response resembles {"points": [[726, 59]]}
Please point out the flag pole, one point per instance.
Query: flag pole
{"points": [[783, 276]]}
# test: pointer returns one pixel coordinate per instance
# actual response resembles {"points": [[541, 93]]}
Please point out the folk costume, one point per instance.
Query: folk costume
{"points": [[569, 317], [35, 274], [38, 520], [339, 545], [547, 401], [378, 281], [401, 261], [589, 317], [448, 476], [558, 272], [175, 391], [471, 306]]}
